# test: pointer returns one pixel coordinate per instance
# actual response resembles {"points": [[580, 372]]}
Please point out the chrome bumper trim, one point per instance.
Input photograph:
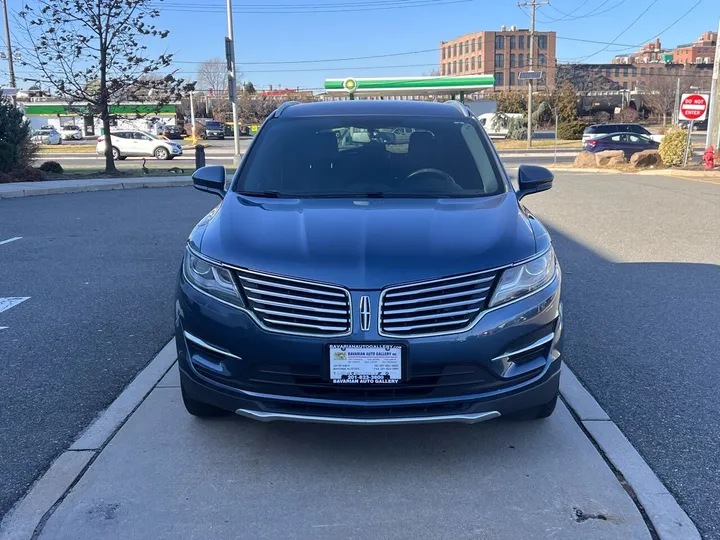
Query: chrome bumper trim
{"points": [[199, 342], [473, 418], [539, 343]]}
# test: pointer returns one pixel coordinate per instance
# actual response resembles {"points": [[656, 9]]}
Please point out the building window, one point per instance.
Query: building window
{"points": [[512, 78], [442, 69], [542, 60], [467, 47], [607, 72], [454, 49], [521, 42], [467, 65], [542, 42], [617, 72], [472, 63], [643, 71], [480, 43], [512, 61], [499, 79], [521, 60], [460, 63], [472, 45], [499, 42], [634, 71], [443, 53], [479, 64], [624, 85], [454, 67], [652, 71], [626, 71], [512, 46], [499, 60]]}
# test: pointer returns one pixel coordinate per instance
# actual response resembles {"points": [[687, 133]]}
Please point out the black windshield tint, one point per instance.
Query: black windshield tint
{"points": [[372, 156]]}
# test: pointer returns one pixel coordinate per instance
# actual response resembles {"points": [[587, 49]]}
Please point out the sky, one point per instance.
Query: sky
{"points": [[288, 43]]}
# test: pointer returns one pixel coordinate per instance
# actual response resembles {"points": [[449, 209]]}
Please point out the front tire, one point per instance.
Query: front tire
{"points": [[162, 153], [538, 412], [200, 409], [116, 154]]}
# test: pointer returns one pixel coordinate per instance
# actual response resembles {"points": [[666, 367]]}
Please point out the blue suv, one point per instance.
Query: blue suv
{"points": [[352, 277]]}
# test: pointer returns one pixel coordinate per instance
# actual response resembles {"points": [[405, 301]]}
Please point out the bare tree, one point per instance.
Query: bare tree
{"points": [[213, 74], [660, 97], [94, 51]]}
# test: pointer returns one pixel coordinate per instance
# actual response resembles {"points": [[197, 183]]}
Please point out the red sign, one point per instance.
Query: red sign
{"points": [[693, 107]]}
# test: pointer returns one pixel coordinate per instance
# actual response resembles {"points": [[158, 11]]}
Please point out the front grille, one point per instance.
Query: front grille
{"points": [[436, 307], [295, 306]]}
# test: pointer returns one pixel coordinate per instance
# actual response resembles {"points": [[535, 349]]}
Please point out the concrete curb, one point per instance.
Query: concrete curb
{"points": [[53, 187], [667, 518], [21, 521]]}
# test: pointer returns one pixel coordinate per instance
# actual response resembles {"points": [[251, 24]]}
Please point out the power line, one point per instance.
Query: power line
{"points": [[592, 13], [307, 9]]}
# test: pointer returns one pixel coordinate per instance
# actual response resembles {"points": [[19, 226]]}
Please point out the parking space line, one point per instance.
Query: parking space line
{"points": [[12, 301], [10, 240]]}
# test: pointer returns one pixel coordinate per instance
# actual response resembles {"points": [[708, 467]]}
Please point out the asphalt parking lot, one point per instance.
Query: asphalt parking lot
{"points": [[642, 285]]}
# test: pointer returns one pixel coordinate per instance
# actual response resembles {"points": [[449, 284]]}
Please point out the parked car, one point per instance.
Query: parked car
{"points": [[128, 143], [172, 132], [71, 132], [214, 130], [496, 124], [46, 135], [364, 285], [629, 143], [597, 130], [697, 126]]}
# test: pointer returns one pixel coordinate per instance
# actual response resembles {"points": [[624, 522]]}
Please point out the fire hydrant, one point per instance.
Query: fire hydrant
{"points": [[709, 158]]}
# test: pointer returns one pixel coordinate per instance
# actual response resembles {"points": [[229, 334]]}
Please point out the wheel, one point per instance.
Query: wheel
{"points": [[115, 154], [200, 409], [538, 412], [161, 153]]}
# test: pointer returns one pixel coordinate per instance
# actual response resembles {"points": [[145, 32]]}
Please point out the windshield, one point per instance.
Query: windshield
{"points": [[372, 156], [213, 125]]}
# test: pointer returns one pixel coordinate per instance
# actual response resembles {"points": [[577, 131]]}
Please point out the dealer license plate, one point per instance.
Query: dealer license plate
{"points": [[365, 364]]}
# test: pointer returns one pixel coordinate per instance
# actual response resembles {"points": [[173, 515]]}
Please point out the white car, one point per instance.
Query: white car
{"points": [[46, 136], [128, 143], [71, 131]]}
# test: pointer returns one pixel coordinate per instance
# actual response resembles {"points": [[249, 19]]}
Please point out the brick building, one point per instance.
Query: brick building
{"points": [[504, 54], [636, 76], [700, 51]]}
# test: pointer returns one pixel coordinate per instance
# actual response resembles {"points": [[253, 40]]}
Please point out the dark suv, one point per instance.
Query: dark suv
{"points": [[605, 129], [349, 278]]}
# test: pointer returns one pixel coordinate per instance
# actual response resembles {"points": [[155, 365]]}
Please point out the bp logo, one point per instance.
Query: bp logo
{"points": [[350, 85]]}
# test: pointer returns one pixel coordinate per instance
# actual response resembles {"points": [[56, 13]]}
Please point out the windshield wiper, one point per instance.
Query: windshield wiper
{"points": [[271, 194]]}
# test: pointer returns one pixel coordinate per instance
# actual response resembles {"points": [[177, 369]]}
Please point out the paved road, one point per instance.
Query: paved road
{"points": [[642, 286], [641, 261], [99, 269]]}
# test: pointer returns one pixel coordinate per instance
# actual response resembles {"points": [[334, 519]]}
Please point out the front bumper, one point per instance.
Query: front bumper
{"points": [[507, 362]]}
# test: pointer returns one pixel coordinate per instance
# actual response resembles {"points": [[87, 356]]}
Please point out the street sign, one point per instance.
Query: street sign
{"points": [[229, 53], [693, 107], [530, 75], [232, 89]]}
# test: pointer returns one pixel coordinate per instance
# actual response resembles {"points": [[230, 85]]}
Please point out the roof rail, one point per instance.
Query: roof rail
{"points": [[459, 106], [284, 106]]}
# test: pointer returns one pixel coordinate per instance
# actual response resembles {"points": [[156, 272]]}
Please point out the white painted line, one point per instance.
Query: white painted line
{"points": [[4, 327], [10, 240], [12, 301], [667, 517]]}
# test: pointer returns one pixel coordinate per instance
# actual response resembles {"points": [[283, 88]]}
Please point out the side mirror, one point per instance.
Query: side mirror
{"points": [[533, 179], [210, 179]]}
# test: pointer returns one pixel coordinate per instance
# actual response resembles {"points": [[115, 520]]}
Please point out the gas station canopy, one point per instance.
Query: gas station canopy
{"points": [[405, 86]]}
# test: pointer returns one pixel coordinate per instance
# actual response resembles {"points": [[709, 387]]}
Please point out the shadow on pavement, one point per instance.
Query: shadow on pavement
{"points": [[644, 338]]}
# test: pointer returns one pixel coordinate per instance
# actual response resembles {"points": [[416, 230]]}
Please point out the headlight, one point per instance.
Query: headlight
{"points": [[525, 278], [211, 279]]}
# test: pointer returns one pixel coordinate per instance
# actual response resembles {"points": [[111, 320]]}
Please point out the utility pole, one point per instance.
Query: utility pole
{"points": [[232, 87], [676, 111], [11, 67], [713, 128], [531, 62]]}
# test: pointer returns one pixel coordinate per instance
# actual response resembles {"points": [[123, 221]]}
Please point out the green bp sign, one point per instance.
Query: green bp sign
{"points": [[350, 85], [380, 86]]}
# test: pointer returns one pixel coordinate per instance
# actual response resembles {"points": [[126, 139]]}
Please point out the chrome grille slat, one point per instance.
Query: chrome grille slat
{"points": [[295, 306], [293, 297], [438, 297], [434, 307], [440, 287], [300, 316], [433, 316]]}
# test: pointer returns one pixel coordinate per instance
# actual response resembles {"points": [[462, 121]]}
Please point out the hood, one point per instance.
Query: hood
{"points": [[367, 244]]}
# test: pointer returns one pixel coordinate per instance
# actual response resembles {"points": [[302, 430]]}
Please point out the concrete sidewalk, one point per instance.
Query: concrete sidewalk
{"points": [[167, 475], [50, 187]]}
